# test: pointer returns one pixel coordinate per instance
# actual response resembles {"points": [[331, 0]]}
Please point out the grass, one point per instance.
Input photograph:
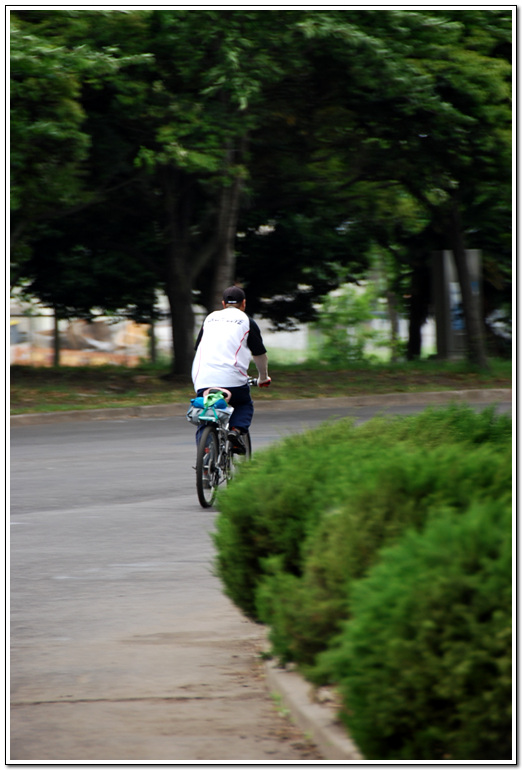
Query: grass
{"points": [[47, 389]]}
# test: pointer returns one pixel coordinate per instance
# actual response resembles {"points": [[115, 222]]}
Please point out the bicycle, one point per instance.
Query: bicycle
{"points": [[215, 458]]}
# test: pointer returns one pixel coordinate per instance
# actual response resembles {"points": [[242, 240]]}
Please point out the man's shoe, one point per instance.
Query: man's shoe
{"points": [[236, 439]]}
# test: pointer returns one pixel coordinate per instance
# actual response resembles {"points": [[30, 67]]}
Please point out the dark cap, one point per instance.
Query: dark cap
{"points": [[233, 295]]}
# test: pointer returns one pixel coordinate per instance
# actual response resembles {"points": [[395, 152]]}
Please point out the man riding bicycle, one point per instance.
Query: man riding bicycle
{"points": [[227, 341]]}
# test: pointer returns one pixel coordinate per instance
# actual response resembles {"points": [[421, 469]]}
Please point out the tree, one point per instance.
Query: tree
{"points": [[50, 147], [48, 144], [296, 128], [421, 110], [210, 100], [183, 118]]}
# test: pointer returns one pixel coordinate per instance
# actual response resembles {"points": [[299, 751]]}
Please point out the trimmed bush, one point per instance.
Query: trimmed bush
{"points": [[456, 423], [424, 664], [379, 556], [281, 497], [275, 503], [393, 493]]}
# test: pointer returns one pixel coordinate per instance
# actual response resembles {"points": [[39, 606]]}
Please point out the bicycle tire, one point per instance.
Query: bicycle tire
{"points": [[207, 472]]}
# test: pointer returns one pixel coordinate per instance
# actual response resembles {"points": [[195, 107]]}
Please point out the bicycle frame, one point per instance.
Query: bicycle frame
{"points": [[215, 456], [214, 462]]}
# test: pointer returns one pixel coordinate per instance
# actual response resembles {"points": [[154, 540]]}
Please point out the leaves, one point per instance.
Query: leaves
{"points": [[348, 130]]}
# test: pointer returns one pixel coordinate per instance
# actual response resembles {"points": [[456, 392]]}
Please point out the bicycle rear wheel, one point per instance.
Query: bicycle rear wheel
{"points": [[207, 471]]}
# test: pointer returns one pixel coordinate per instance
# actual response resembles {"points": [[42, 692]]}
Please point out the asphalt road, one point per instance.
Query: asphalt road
{"points": [[123, 646], [134, 460]]}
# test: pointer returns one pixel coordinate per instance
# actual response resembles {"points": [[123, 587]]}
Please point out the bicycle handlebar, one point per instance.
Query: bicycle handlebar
{"points": [[254, 382]]}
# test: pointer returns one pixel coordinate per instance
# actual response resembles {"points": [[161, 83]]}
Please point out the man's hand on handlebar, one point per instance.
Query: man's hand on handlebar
{"points": [[255, 382]]}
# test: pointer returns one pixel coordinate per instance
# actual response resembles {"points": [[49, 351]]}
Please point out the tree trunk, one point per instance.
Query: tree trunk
{"points": [[56, 340], [182, 322], [391, 299], [180, 269], [419, 308], [474, 330], [152, 336], [188, 256], [414, 348], [225, 258]]}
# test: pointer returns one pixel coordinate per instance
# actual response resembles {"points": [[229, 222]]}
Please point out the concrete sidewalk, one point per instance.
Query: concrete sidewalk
{"points": [[316, 718]]}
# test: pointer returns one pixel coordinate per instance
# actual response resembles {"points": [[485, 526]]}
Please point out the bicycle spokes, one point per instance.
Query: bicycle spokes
{"points": [[216, 461], [207, 470]]}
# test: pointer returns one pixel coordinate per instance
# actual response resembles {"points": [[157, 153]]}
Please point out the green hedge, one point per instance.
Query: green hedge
{"points": [[424, 665], [311, 525], [269, 515], [276, 501], [394, 492]]}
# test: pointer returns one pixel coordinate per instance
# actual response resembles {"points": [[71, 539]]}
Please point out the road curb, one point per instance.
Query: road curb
{"points": [[318, 721], [487, 396]]}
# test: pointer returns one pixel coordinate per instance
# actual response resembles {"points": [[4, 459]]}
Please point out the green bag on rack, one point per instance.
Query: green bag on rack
{"points": [[209, 408]]}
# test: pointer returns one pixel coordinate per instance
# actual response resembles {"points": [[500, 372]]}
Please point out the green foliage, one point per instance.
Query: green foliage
{"points": [[275, 520], [344, 325], [380, 558], [51, 139], [288, 499], [341, 129], [395, 490], [457, 424], [47, 140], [424, 663], [395, 117]]}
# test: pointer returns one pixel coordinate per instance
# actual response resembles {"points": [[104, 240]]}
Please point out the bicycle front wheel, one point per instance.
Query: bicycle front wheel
{"points": [[207, 471]]}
